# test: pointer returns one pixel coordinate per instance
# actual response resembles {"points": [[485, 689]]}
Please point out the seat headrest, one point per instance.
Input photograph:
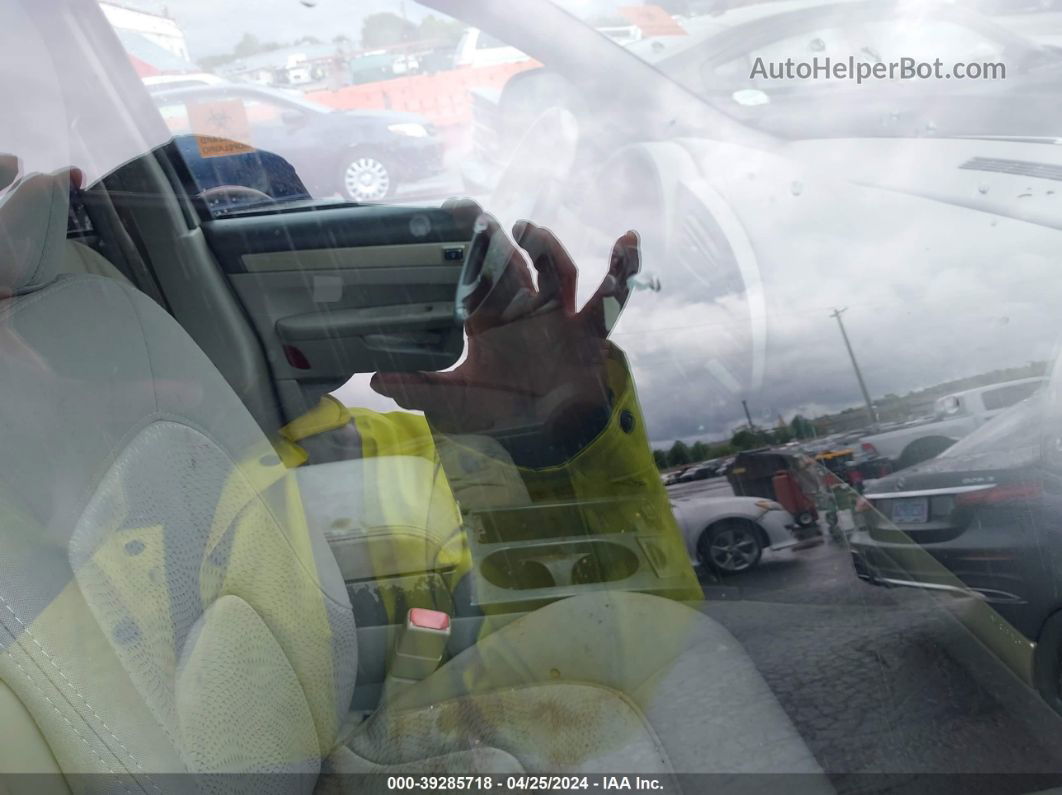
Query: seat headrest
{"points": [[33, 223]]}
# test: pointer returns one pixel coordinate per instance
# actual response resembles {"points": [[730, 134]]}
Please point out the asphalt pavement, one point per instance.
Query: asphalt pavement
{"points": [[888, 689]]}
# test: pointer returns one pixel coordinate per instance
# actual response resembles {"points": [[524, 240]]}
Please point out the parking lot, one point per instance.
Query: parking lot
{"points": [[885, 685]]}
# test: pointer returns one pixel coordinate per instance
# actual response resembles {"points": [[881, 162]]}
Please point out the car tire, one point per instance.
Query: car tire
{"points": [[923, 449], [366, 176], [805, 519], [1047, 662], [731, 546]]}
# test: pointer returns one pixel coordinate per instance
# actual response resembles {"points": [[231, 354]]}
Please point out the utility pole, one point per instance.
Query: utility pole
{"points": [[748, 416], [855, 365]]}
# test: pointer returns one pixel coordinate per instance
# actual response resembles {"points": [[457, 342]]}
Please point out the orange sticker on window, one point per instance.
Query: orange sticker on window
{"points": [[652, 20], [221, 127]]}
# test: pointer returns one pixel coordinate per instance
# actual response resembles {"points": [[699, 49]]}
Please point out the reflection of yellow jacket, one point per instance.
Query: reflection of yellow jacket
{"points": [[611, 485]]}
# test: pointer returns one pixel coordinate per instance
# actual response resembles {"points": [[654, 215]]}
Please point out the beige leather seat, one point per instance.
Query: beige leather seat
{"points": [[80, 259], [370, 540], [164, 607]]}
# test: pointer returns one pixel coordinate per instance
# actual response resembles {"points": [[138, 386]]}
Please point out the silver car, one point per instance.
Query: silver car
{"points": [[729, 534]]}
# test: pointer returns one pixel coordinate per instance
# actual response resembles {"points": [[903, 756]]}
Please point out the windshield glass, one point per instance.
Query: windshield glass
{"points": [[437, 395]]}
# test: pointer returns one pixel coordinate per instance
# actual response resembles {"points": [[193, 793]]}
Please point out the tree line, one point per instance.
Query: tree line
{"points": [[682, 454], [384, 29]]}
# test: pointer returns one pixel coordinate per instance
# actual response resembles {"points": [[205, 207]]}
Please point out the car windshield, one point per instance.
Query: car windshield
{"points": [[542, 395]]}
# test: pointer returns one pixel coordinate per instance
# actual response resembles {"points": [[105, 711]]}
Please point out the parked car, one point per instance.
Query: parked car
{"points": [[363, 155], [709, 469], [239, 181], [701, 471], [676, 476], [170, 82], [954, 416], [981, 520], [729, 534], [479, 48]]}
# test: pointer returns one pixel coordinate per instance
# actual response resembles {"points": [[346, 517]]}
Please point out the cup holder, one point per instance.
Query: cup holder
{"points": [[551, 565], [603, 563]]}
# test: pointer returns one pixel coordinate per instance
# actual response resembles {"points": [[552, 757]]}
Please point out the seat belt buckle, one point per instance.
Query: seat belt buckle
{"points": [[419, 649]]}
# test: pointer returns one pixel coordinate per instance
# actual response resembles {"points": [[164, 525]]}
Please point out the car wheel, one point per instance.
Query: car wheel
{"points": [[805, 519], [923, 449], [1047, 662], [365, 177], [731, 546]]}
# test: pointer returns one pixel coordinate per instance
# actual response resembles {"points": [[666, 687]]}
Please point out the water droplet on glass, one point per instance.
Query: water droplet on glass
{"points": [[797, 187], [982, 188]]}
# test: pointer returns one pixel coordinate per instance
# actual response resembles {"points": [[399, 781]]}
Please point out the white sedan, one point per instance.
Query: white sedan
{"points": [[729, 534]]}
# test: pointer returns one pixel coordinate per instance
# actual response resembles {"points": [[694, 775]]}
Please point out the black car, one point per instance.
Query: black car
{"points": [[362, 155], [709, 469], [981, 520]]}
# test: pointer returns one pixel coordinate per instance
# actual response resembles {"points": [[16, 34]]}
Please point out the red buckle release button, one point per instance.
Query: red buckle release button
{"points": [[428, 619]]}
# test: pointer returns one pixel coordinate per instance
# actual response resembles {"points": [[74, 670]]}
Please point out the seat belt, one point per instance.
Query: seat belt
{"points": [[108, 224], [418, 650]]}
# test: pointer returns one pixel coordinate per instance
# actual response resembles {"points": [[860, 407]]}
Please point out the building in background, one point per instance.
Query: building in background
{"points": [[149, 21]]}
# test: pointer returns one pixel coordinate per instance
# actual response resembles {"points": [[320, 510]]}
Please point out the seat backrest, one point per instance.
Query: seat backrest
{"points": [[162, 606], [79, 258]]}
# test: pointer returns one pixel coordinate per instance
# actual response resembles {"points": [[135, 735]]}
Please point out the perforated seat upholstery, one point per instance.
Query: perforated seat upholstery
{"points": [[165, 608]]}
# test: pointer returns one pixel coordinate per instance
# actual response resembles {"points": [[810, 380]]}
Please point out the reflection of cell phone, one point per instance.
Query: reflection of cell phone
{"points": [[612, 305], [488, 256], [486, 264]]}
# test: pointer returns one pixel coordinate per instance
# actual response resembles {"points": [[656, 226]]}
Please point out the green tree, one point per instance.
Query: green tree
{"points": [[384, 29], [679, 454], [440, 30], [699, 452], [211, 62], [660, 457], [747, 439], [721, 450], [801, 427]]}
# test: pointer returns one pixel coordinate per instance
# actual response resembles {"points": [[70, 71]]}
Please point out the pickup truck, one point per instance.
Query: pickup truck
{"points": [[954, 416]]}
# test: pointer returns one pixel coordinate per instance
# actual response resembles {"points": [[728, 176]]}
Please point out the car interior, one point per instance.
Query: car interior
{"points": [[209, 583], [174, 598]]}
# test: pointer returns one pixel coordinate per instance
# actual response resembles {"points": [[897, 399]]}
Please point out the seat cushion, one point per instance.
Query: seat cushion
{"points": [[606, 682]]}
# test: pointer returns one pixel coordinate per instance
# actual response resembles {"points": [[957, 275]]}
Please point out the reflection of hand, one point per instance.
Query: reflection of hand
{"points": [[533, 364]]}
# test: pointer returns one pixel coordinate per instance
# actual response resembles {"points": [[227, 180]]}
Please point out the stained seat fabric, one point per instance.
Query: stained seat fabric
{"points": [[165, 608], [609, 682]]}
